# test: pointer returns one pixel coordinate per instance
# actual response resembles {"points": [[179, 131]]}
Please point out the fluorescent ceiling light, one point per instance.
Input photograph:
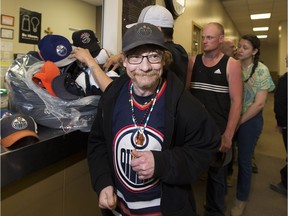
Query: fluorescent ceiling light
{"points": [[262, 36], [261, 29], [260, 16]]}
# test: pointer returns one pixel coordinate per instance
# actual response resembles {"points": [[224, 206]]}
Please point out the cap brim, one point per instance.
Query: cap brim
{"points": [[66, 61], [60, 90], [130, 25], [143, 42], [14, 137], [112, 73]]}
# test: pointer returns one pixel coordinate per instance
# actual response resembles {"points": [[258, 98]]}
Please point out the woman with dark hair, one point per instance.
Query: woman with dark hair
{"points": [[257, 82]]}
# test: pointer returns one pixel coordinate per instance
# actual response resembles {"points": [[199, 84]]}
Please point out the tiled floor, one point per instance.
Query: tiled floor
{"points": [[270, 158]]}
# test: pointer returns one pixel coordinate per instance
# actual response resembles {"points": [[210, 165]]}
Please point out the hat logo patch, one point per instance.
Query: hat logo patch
{"points": [[19, 123], [85, 38], [144, 31], [61, 50]]}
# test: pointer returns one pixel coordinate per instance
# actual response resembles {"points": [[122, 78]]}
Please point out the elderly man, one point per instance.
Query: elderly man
{"points": [[151, 138]]}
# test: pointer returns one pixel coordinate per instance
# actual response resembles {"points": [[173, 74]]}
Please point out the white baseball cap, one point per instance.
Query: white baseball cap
{"points": [[156, 15]]}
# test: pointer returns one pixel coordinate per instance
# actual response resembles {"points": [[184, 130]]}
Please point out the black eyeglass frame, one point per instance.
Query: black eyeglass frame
{"points": [[149, 57]]}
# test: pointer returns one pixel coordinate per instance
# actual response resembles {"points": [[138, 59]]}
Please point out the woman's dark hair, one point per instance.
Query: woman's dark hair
{"points": [[255, 42]]}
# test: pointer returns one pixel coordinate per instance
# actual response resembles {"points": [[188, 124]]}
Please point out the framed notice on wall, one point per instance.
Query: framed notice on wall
{"points": [[7, 20], [6, 33]]}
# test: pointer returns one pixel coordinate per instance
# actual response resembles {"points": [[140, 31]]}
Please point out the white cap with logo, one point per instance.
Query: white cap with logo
{"points": [[156, 15]]}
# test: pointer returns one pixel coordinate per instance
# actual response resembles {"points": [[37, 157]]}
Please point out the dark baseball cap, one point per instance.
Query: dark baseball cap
{"points": [[16, 127], [86, 39], [142, 34]]}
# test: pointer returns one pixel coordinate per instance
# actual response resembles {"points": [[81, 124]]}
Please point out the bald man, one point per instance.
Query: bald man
{"points": [[216, 80], [228, 48]]}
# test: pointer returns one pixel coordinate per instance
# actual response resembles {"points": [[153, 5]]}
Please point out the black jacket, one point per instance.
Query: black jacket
{"points": [[280, 101], [191, 138], [179, 62]]}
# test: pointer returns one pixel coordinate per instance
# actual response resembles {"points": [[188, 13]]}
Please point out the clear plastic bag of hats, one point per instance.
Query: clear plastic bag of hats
{"points": [[54, 97]]}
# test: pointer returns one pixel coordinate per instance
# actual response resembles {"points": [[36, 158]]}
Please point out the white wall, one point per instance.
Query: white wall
{"points": [[112, 26], [58, 15]]}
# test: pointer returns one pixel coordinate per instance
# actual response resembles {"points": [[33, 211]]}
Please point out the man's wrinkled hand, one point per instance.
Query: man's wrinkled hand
{"points": [[107, 198], [143, 164]]}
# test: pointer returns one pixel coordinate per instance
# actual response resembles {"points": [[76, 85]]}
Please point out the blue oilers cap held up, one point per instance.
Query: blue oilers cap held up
{"points": [[56, 48]]}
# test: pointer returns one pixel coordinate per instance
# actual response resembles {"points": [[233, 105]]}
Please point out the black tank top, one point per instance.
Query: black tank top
{"points": [[211, 87]]}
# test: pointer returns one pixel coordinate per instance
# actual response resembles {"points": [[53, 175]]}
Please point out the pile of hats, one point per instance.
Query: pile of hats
{"points": [[63, 76], [16, 128], [54, 88], [67, 83]]}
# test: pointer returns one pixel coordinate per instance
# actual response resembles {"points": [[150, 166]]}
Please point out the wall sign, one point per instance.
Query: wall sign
{"points": [[7, 20], [7, 33], [29, 26]]}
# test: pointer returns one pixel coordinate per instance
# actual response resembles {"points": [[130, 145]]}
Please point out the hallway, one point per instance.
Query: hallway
{"points": [[270, 158]]}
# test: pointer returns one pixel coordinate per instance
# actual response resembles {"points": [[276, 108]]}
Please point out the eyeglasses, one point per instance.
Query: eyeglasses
{"points": [[152, 58]]}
